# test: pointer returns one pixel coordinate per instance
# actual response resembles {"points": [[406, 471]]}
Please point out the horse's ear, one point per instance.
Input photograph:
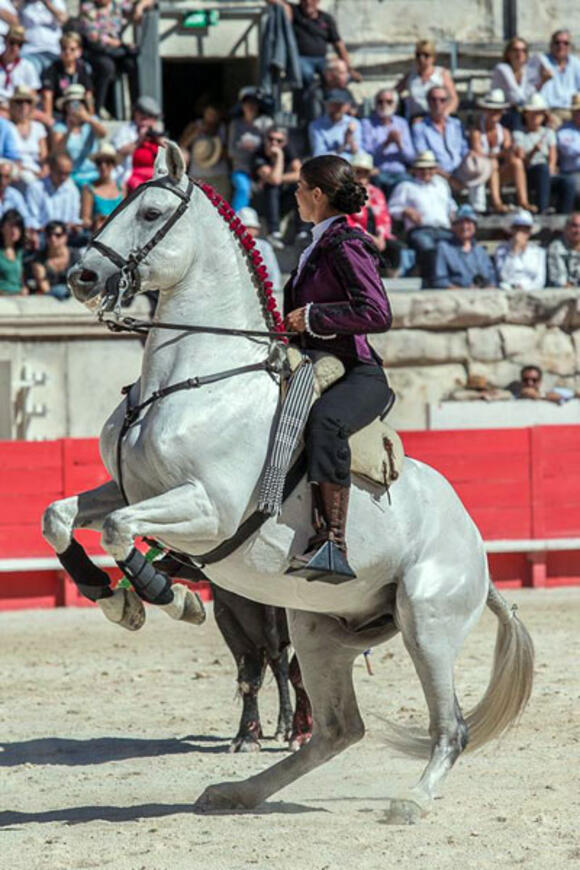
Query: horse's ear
{"points": [[175, 164]]}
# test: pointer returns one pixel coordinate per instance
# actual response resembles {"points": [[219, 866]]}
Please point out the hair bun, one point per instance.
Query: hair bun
{"points": [[350, 197]]}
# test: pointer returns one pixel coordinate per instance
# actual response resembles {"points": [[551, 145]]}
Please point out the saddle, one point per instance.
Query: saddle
{"points": [[377, 451]]}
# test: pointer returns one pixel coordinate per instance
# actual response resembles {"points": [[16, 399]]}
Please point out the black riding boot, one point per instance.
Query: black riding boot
{"points": [[325, 557]]}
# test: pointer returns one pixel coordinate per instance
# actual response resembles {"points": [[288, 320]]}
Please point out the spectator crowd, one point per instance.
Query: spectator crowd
{"points": [[429, 175]]}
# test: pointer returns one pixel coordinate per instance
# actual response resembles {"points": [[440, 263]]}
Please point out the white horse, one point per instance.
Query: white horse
{"points": [[191, 465]]}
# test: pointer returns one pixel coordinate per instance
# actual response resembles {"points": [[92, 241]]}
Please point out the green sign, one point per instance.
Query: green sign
{"points": [[200, 19]]}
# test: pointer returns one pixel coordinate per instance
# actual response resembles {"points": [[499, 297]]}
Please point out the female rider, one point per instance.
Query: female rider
{"points": [[333, 299]]}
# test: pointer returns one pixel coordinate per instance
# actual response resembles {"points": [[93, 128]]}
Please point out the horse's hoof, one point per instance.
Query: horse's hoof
{"points": [[186, 606], [124, 608], [247, 743], [283, 735], [219, 798], [297, 741], [403, 812]]}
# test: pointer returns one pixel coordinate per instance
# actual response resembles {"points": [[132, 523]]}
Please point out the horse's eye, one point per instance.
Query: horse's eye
{"points": [[152, 214]]}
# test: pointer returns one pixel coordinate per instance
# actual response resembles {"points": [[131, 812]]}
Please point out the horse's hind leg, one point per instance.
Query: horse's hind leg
{"points": [[326, 664]]}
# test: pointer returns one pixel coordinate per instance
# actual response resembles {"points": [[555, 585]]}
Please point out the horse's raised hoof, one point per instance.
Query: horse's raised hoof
{"points": [[124, 608], [220, 798], [186, 606], [403, 812], [245, 743]]}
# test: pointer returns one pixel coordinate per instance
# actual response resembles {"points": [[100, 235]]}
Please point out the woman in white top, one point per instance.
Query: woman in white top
{"points": [[43, 20], [30, 135], [417, 84], [520, 264]]}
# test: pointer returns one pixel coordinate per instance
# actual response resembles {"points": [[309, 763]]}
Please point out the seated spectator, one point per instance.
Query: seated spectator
{"points": [[478, 389], [204, 145], [277, 169], [334, 75], [416, 85], [78, 135], [55, 197], [536, 145], [50, 266], [43, 21], [374, 217], [30, 135], [102, 197], [426, 206], [68, 69], [387, 138], [102, 24], [520, 264], [335, 132], [461, 262], [568, 145], [314, 30], [564, 67], [11, 254], [249, 217], [11, 199], [494, 141], [530, 387], [517, 76], [146, 117], [564, 256], [245, 136], [14, 69], [440, 134]]}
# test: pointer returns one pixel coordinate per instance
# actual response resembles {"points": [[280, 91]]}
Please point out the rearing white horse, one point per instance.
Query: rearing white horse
{"points": [[191, 464]]}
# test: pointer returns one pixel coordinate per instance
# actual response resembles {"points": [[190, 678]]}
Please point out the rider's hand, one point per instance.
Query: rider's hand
{"points": [[296, 320]]}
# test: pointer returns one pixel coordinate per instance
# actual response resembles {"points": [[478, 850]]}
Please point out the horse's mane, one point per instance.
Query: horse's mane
{"points": [[256, 266]]}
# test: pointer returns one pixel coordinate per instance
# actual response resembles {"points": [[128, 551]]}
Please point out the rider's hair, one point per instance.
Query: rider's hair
{"points": [[335, 177]]}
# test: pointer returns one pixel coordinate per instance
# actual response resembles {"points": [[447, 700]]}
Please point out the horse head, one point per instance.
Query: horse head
{"points": [[144, 244]]}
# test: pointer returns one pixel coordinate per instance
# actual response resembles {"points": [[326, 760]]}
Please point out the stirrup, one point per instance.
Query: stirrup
{"points": [[328, 565]]}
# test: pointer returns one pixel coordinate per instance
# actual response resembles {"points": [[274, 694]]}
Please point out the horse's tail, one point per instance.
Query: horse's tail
{"points": [[507, 693]]}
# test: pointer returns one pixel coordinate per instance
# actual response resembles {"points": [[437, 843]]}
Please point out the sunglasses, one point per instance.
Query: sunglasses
{"points": [[423, 54], [438, 99], [56, 233], [562, 42], [105, 161], [278, 139], [17, 42], [519, 48], [385, 102]]}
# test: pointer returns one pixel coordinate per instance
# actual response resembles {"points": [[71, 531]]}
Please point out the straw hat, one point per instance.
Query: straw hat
{"points": [[425, 160], [362, 160], [73, 92], [17, 33], [22, 94], [106, 151], [495, 99], [206, 151], [474, 170], [536, 104]]}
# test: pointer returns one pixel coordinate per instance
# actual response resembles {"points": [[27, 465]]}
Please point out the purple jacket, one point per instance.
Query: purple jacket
{"points": [[342, 286]]}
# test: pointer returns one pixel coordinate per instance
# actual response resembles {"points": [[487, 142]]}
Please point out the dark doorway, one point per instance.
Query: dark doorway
{"points": [[187, 84]]}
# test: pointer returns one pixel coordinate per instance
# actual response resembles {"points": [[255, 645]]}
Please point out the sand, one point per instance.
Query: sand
{"points": [[107, 738]]}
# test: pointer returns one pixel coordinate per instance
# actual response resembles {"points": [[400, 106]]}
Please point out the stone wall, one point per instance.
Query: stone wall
{"points": [[439, 337]]}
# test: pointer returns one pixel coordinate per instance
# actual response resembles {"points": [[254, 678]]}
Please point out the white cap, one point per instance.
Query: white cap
{"points": [[522, 218]]}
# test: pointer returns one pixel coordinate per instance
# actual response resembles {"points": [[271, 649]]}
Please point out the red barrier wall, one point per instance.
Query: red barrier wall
{"points": [[515, 483]]}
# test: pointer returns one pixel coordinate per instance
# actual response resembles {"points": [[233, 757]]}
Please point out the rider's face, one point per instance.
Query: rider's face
{"points": [[306, 198]]}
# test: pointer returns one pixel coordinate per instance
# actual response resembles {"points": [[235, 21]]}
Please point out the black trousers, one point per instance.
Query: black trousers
{"points": [[349, 405], [107, 65]]}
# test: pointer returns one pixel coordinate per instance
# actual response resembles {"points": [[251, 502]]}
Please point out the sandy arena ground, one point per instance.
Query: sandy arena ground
{"points": [[107, 738]]}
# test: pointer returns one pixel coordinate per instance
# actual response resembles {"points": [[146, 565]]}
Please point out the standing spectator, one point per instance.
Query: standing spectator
{"points": [[277, 169], [50, 266], [244, 138], [14, 69], [460, 261], [493, 141], [416, 85], [426, 205], [102, 197], [334, 75], [30, 135], [103, 23], [520, 264], [564, 67], [11, 253], [78, 135], [568, 144], [314, 30], [43, 21], [335, 132], [387, 138], [69, 69], [517, 77], [204, 145], [374, 217], [536, 145], [564, 256], [10, 198], [146, 117], [250, 219], [56, 196], [439, 133]]}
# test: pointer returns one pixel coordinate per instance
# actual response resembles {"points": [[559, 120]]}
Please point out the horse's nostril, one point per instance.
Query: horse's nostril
{"points": [[87, 276]]}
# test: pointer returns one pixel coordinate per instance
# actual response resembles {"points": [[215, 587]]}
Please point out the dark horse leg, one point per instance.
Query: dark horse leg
{"points": [[302, 721], [278, 639]]}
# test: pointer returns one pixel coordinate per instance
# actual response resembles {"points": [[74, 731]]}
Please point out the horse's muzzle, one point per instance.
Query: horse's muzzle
{"points": [[84, 283]]}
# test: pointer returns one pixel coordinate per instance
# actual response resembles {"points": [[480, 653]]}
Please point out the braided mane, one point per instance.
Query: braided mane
{"points": [[256, 266]]}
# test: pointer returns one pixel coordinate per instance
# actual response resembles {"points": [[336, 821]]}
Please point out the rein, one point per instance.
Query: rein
{"points": [[132, 324]]}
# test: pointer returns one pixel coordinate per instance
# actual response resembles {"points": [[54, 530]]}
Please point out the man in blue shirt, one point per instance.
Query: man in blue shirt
{"points": [[10, 197], [565, 69], [336, 132], [568, 138], [444, 136], [461, 262], [55, 197], [387, 138]]}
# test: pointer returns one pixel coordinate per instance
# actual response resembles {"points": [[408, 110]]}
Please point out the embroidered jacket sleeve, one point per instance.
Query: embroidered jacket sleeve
{"points": [[366, 309]]}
